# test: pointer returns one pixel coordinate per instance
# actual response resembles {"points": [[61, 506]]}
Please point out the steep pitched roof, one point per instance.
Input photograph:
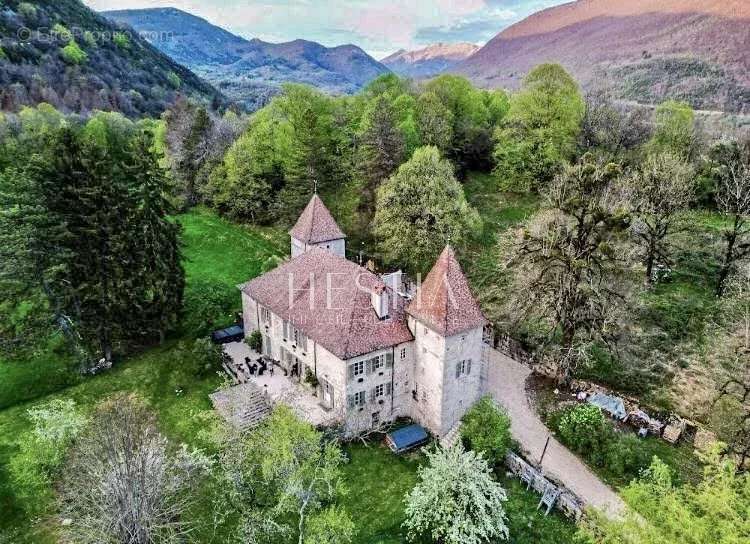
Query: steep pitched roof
{"points": [[330, 301], [316, 224], [444, 301]]}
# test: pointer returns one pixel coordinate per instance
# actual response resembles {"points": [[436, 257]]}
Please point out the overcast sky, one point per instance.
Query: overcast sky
{"points": [[378, 26]]}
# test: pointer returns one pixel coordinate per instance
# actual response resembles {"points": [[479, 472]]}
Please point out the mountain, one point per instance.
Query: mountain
{"points": [[63, 53], [250, 70], [430, 61], [649, 50]]}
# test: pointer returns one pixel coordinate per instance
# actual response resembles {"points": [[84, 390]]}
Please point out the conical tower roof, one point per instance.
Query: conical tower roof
{"points": [[444, 302], [316, 224]]}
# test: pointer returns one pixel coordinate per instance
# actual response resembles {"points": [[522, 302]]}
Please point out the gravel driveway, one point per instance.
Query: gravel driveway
{"points": [[507, 384]]}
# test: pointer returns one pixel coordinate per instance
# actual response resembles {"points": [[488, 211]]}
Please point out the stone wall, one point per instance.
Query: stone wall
{"points": [[567, 502]]}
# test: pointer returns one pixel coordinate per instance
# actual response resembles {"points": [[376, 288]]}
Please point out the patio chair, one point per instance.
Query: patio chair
{"points": [[527, 476], [549, 498]]}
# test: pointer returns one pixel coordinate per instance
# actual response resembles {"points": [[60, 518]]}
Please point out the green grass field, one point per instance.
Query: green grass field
{"points": [[378, 481], [218, 254]]}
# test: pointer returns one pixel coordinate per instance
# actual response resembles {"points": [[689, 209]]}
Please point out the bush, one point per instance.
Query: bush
{"points": [[486, 430], [73, 54], [32, 470], [206, 357], [207, 306], [583, 428], [255, 341]]}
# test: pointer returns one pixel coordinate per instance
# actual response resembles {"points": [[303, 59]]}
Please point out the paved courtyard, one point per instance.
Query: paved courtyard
{"points": [[507, 383], [280, 388]]}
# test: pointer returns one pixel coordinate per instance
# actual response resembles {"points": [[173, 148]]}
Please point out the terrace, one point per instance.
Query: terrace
{"points": [[275, 386]]}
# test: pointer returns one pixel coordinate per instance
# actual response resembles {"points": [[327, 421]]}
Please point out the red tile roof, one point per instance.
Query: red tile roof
{"points": [[331, 303], [316, 224], [444, 301]]}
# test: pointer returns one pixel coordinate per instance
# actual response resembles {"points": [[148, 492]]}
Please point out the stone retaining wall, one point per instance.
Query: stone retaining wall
{"points": [[567, 502]]}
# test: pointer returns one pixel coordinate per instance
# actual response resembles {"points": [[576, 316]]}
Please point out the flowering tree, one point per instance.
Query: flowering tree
{"points": [[456, 501]]}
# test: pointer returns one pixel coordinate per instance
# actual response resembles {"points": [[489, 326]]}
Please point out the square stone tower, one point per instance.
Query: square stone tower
{"points": [[448, 327]]}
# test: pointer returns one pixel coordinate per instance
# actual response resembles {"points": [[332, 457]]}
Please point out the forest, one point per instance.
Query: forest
{"points": [[611, 242]]}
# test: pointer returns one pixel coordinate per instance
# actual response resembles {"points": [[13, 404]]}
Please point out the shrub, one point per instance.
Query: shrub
{"points": [[73, 54], [121, 40], [205, 356], [206, 306], [255, 341], [27, 11], [311, 379], [583, 428], [174, 80], [486, 430], [42, 449], [625, 456]]}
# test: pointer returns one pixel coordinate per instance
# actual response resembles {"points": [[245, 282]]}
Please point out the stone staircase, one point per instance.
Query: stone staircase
{"points": [[451, 437], [245, 406], [254, 409]]}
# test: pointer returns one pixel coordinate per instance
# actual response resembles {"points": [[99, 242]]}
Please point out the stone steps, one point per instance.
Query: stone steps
{"points": [[452, 436], [254, 410]]}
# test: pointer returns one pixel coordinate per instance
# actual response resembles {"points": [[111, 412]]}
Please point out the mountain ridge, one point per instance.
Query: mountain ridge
{"points": [[688, 50], [429, 61], [63, 53], [251, 70]]}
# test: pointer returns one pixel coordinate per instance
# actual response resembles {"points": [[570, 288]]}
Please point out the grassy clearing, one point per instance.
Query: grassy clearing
{"points": [[219, 255], [499, 211], [379, 480]]}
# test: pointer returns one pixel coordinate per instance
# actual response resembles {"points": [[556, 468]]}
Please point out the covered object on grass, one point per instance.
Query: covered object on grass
{"points": [[406, 438], [614, 406]]}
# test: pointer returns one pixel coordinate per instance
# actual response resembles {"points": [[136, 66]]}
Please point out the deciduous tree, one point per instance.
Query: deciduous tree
{"points": [[122, 483], [733, 199], [565, 260], [419, 209], [715, 510], [456, 500], [659, 190], [540, 131]]}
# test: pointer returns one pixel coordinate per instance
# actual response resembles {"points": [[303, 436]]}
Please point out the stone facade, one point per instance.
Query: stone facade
{"points": [[433, 378], [337, 247]]}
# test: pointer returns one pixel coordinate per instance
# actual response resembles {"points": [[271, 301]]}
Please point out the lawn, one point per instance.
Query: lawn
{"points": [[378, 481], [499, 211], [218, 256]]}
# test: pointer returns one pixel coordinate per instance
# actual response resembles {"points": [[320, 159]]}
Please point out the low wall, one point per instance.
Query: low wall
{"points": [[567, 502]]}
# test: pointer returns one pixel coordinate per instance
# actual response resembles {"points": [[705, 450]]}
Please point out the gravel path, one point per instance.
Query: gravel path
{"points": [[507, 383]]}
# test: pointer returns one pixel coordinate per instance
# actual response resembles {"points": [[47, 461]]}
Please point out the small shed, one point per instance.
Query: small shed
{"points": [[406, 438], [614, 406]]}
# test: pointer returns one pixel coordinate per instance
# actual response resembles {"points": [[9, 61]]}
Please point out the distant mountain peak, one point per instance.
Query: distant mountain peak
{"points": [[252, 70], [647, 51], [429, 61]]}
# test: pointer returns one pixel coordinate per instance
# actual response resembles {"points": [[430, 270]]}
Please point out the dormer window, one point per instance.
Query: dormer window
{"points": [[381, 303]]}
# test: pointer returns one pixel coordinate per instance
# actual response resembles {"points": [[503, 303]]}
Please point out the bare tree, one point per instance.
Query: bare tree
{"points": [[565, 260], [733, 200], [122, 485], [610, 127], [659, 191]]}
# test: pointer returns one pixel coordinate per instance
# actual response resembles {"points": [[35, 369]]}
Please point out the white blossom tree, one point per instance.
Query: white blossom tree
{"points": [[456, 501]]}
